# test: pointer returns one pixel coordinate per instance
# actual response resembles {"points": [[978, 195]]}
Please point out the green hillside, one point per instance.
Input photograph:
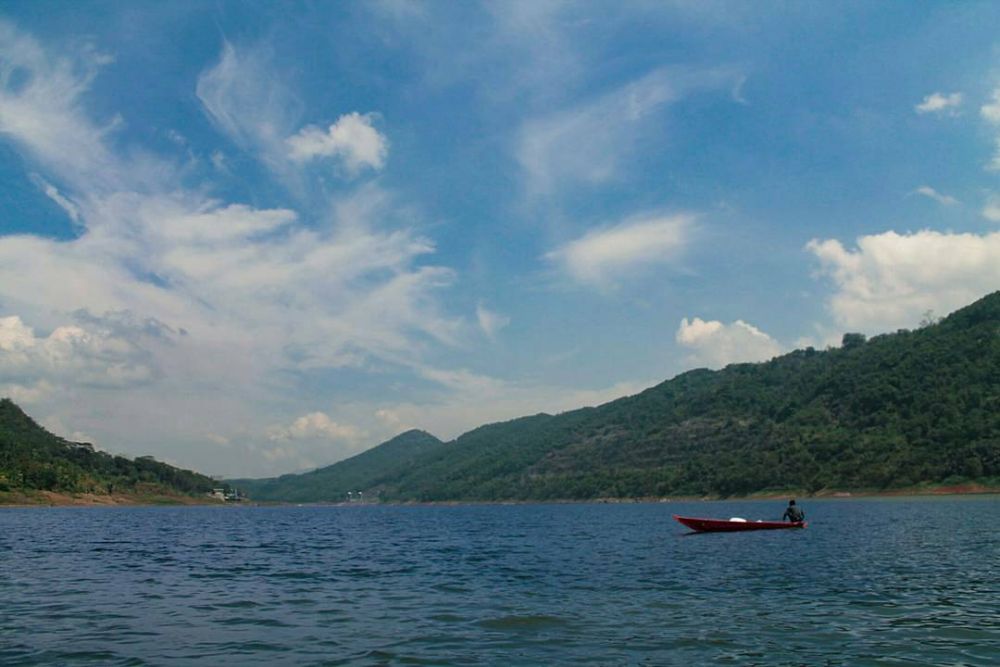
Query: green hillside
{"points": [[894, 411], [32, 459], [365, 472]]}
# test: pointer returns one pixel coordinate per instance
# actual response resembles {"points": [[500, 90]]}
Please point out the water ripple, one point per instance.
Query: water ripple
{"points": [[510, 585]]}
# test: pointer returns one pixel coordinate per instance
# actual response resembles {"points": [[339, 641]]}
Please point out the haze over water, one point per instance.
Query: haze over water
{"points": [[870, 582]]}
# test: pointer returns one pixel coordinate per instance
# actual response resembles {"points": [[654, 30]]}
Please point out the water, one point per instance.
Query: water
{"points": [[870, 582]]}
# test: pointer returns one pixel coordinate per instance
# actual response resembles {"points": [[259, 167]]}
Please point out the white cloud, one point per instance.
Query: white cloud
{"points": [[26, 394], [588, 143], [71, 354], [352, 138], [315, 425], [991, 111], [940, 103], [889, 280], [251, 103], [56, 426], [602, 256], [312, 440], [715, 344], [931, 193], [388, 417], [490, 322]]}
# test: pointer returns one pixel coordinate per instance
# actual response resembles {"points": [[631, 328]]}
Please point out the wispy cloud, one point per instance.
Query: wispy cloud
{"points": [[931, 193], [604, 256], [258, 291], [588, 143], [52, 192], [248, 101], [490, 322], [40, 106]]}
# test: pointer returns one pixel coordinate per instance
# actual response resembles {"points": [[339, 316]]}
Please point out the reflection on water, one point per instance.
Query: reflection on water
{"points": [[870, 582]]}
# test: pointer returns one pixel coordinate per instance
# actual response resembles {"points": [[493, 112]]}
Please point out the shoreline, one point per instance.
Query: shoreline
{"points": [[29, 499], [37, 498]]}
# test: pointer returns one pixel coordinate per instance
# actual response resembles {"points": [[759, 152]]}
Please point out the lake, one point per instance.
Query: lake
{"points": [[869, 582]]}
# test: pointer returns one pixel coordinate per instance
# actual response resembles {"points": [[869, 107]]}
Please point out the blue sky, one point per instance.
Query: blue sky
{"points": [[254, 238]]}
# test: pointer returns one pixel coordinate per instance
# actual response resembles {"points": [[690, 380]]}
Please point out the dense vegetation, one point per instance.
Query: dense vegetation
{"points": [[32, 459], [894, 411]]}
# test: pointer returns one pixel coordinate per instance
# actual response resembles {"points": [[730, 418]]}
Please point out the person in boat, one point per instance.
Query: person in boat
{"points": [[793, 513]]}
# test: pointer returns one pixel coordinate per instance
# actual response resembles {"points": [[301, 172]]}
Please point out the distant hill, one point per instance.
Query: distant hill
{"points": [[364, 472], [893, 411], [32, 459]]}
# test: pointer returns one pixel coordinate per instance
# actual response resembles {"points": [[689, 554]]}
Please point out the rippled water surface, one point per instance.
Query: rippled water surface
{"points": [[869, 582]]}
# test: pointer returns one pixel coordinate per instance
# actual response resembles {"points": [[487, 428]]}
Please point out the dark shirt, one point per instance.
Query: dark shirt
{"points": [[793, 513]]}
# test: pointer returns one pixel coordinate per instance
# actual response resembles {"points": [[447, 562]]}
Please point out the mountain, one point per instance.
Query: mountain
{"points": [[364, 472], [897, 410], [32, 459]]}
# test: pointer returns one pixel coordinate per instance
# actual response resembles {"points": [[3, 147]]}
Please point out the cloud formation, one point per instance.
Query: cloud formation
{"points": [[889, 280], [248, 102], [714, 344], [931, 193], [940, 103], [71, 355], [991, 110], [352, 139], [257, 292], [603, 256], [315, 425]]}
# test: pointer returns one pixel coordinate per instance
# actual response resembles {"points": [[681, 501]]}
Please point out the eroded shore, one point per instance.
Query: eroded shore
{"points": [[54, 499]]}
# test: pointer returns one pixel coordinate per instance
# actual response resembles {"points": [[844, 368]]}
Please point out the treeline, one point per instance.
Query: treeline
{"points": [[894, 411], [31, 458]]}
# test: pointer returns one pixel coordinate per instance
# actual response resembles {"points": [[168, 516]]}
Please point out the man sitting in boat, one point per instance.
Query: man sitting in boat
{"points": [[793, 513]]}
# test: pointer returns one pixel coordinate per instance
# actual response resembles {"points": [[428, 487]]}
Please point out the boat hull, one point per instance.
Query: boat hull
{"points": [[727, 526]]}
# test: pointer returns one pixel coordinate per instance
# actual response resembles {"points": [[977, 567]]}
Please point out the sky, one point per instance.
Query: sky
{"points": [[258, 238]]}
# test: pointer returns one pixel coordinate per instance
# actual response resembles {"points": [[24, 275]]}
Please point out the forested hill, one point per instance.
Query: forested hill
{"points": [[32, 459], [896, 410], [333, 483]]}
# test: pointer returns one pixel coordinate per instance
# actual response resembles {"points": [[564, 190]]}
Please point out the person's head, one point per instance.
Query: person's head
{"points": [[792, 501]]}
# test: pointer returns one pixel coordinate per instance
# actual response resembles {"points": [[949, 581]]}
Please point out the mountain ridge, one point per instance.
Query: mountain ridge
{"points": [[361, 472], [898, 409]]}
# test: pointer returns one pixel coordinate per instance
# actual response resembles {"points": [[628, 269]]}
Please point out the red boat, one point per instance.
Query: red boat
{"points": [[731, 525]]}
